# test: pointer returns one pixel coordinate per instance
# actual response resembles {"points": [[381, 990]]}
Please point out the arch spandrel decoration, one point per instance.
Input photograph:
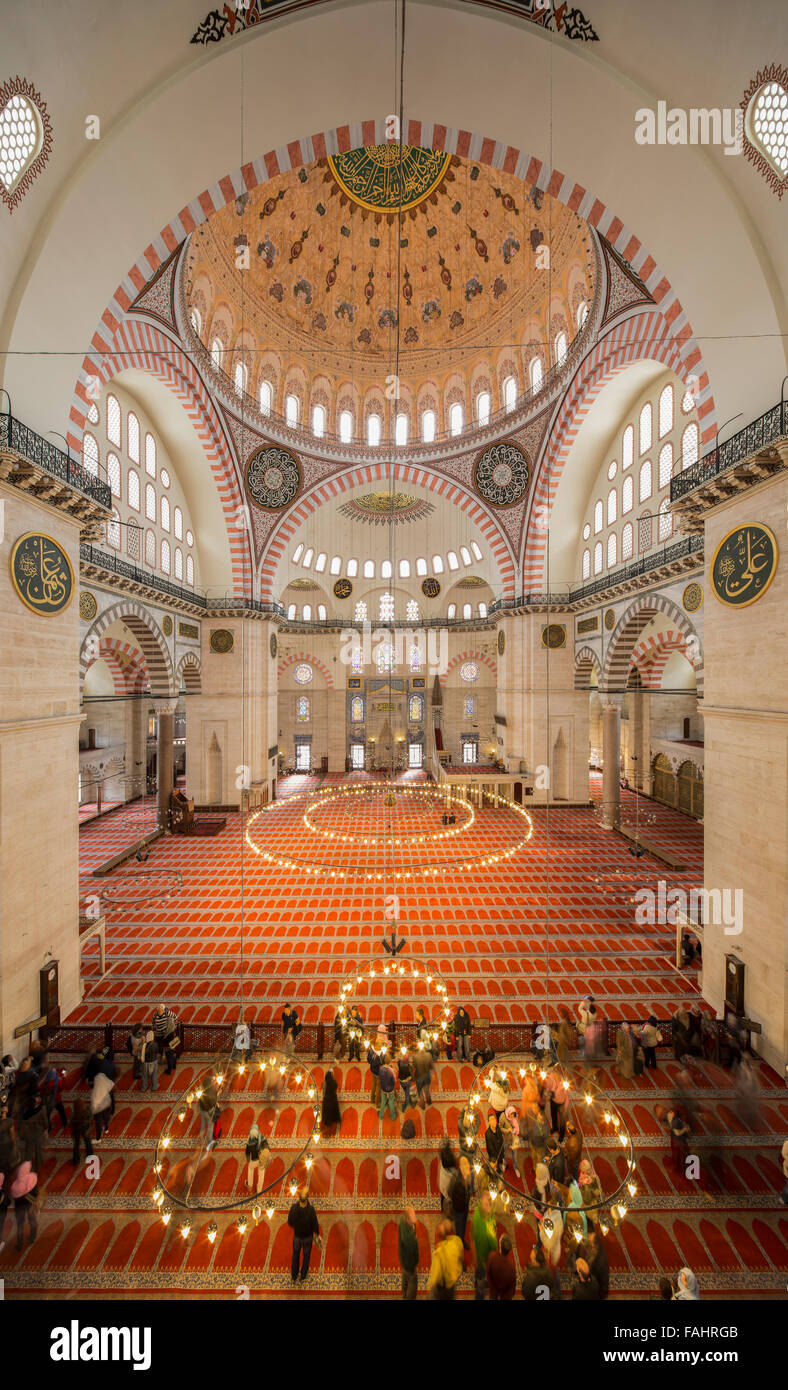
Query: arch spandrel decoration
{"points": [[625, 637], [151, 641]]}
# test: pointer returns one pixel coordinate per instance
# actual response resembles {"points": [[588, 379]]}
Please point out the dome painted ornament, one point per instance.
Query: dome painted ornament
{"points": [[273, 478], [41, 573], [501, 474], [343, 588], [744, 565], [430, 587]]}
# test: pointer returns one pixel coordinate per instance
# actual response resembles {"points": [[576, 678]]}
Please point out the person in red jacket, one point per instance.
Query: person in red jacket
{"points": [[501, 1276]]}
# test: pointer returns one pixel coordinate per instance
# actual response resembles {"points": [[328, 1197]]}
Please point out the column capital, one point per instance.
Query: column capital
{"points": [[165, 706]]}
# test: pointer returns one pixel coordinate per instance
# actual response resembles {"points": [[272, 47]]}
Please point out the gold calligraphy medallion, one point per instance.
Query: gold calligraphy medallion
{"points": [[744, 565], [41, 573]]}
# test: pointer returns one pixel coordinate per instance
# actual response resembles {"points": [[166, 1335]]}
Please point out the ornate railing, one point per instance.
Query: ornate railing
{"points": [[773, 424], [46, 456], [690, 545], [201, 599]]}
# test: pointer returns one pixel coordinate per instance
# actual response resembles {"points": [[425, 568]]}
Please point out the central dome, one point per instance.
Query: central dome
{"points": [[330, 278]]}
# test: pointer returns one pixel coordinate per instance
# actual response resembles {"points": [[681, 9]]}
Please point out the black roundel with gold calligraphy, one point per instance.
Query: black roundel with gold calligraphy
{"points": [[430, 587], [744, 565], [41, 573], [343, 588]]}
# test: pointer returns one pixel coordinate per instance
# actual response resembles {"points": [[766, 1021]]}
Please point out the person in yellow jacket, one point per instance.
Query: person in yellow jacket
{"points": [[447, 1262]]}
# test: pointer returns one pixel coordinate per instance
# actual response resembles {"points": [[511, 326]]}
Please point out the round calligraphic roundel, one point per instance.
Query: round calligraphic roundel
{"points": [[273, 645], [343, 588], [88, 607], [554, 636], [501, 642], [222, 640], [41, 573], [610, 619], [501, 475], [273, 478], [744, 565], [166, 625], [430, 587], [692, 598]]}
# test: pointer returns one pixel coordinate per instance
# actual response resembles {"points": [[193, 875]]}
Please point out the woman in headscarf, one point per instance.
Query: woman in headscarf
{"points": [[551, 1231], [679, 1137], [565, 1035], [575, 1223], [494, 1144], [329, 1110], [540, 1194], [625, 1052], [530, 1093], [499, 1094], [687, 1286], [590, 1187], [573, 1148]]}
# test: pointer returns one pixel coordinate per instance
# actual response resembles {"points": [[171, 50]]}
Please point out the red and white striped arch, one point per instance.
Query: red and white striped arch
{"points": [[364, 474], [133, 668], [309, 660], [484, 150], [480, 657], [651, 656], [647, 336]]}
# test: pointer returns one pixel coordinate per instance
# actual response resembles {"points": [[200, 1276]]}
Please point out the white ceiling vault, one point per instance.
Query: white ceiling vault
{"points": [[176, 117]]}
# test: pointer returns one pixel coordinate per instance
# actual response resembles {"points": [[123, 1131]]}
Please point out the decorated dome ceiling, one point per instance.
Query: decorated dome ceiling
{"points": [[476, 268]]}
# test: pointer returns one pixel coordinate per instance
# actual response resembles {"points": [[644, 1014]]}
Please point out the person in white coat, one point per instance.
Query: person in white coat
{"points": [[100, 1101]]}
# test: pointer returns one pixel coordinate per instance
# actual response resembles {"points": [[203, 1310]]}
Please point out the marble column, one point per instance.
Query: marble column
{"points": [[611, 780], [165, 753]]}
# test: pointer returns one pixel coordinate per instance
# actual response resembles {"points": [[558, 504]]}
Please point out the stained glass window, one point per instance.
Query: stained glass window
{"points": [[469, 671], [415, 658], [357, 660], [469, 706], [302, 675], [357, 710], [415, 709], [302, 709], [386, 657]]}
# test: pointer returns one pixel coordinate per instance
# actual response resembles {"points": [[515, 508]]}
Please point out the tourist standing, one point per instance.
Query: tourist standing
{"points": [[80, 1129], [460, 1194], [329, 1110], [164, 1031], [408, 1248], [302, 1219], [501, 1275], [52, 1092], [24, 1190], [447, 1263], [625, 1052], [485, 1241], [405, 1075], [355, 1034], [462, 1032], [149, 1057], [422, 1070], [538, 1280], [100, 1098], [340, 1036], [650, 1036], [257, 1157], [598, 1262], [33, 1126], [387, 1081], [134, 1044], [687, 1287], [207, 1107], [494, 1143]]}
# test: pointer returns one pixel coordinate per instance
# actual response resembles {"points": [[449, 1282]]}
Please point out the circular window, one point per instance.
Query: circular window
{"points": [[612, 470], [469, 671], [302, 674], [586, 531], [189, 538], [165, 477]]}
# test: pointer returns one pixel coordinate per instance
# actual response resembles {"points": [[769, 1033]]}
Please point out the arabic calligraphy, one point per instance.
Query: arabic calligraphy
{"points": [[41, 573], [744, 565], [381, 177]]}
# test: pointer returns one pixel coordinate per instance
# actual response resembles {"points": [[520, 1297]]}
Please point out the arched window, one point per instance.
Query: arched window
{"points": [[189, 570], [165, 514], [386, 608], [369, 569], [665, 521], [308, 557], [133, 436], [320, 562], [291, 411], [357, 710], [437, 564], [178, 562], [536, 374], [421, 565], [452, 611], [467, 612], [628, 447], [386, 569], [165, 556], [345, 426], [454, 563], [465, 555], [150, 549], [357, 660], [509, 393], [291, 612], [665, 464], [689, 446], [113, 474], [196, 321], [645, 427], [766, 119], [360, 611], [598, 558], [90, 455], [113, 531], [456, 418], [217, 353], [150, 502], [404, 569], [482, 610], [477, 552], [612, 506], [352, 568], [134, 540], [586, 564], [150, 455], [239, 378], [483, 408], [428, 426], [306, 612], [560, 348], [665, 410], [93, 415], [582, 313], [298, 552], [133, 489], [401, 430], [177, 517], [412, 611], [321, 612], [598, 516], [266, 397], [612, 550], [627, 495], [385, 657], [645, 481], [415, 709], [415, 657], [336, 564], [644, 533], [627, 541], [303, 710], [318, 421], [373, 430], [113, 421]]}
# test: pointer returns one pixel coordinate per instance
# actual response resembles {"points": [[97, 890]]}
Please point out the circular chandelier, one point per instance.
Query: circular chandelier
{"points": [[178, 1185], [430, 982], [141, 888], [585, 1100], [420, 841]]}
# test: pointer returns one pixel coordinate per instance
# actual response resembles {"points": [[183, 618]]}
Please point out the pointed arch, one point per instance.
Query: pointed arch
{"points": [[188, 674], [308, 659], [149, 636], [652, 654], [625, 635], [586, 661], [469, 656]]}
